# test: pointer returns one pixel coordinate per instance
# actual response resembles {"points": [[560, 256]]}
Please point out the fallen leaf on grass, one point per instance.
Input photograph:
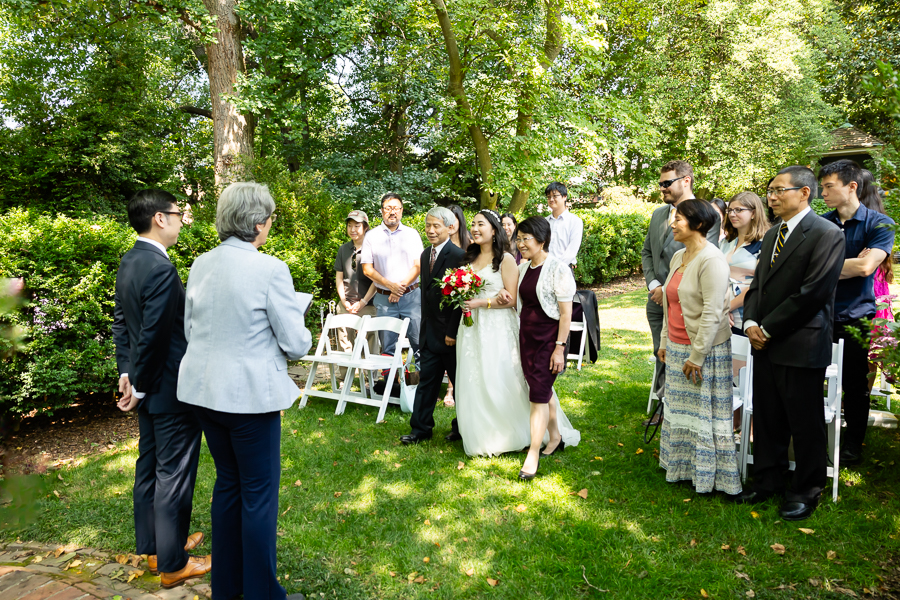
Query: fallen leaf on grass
{"points": [[740, 575], [55, 493], [412, 576], [426, 522], [426, 560], [751, 594], [419, 579], [621, 445], [754, 514], [392, 574], [598, 458], [120, 558], [704, 593], [521, 508], [298, 483], [338, 494], [397, 465], [741, 551], [806, 531], [814, 582], [492, 582], [693, 543], [460, 466], [470, 572], [686, 500], [347, 571], [639, 451], [846, 592], [831, 555], [726, 547], [778, 548], [611, 426], [286, 510], [582, 494]]}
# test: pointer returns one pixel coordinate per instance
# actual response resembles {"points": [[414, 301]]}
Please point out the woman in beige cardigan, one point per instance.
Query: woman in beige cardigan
{"points": [[697, 442]]}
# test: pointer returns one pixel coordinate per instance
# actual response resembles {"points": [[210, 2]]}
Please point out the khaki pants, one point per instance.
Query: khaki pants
{"points": [[347, 337]]}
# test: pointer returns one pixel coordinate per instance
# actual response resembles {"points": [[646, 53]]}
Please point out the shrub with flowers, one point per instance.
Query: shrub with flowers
{"points": [[459, 286], [882, 341]]}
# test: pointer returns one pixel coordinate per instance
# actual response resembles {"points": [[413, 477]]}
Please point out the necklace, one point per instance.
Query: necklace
{"points": [[534, 266]]}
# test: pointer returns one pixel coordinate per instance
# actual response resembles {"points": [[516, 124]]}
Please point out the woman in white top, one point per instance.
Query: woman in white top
{"points": [[745, 226]]}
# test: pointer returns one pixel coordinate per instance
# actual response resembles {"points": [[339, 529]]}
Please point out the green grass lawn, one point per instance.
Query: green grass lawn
{"points": [[363, 516]]}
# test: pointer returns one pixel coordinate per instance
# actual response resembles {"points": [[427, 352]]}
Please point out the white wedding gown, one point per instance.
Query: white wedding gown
{"points": [[492, 406]]}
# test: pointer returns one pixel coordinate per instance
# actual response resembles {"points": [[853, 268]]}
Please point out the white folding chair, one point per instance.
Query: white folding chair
{"points": [[832, 408], [366, 364], [742, 395], [883, 389], [653, 397], [578, 326], [333, 357]]}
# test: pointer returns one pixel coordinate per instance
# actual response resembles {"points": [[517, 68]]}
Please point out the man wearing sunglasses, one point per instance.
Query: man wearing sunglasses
{"points": [[676, 184]]}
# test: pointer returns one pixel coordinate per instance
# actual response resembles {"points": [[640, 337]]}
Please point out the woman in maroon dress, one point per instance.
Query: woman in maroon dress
{"points": [[546, 288]]}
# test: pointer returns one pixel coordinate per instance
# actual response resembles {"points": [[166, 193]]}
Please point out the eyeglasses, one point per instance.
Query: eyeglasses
{"points": [[391, 209], [668, 182], [736, 211], [273, 216], [781, 191], [520, 241], [171, 212]]}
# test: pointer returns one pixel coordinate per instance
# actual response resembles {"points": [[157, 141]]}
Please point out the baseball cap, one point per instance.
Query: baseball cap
{"points": [[358, 216]]}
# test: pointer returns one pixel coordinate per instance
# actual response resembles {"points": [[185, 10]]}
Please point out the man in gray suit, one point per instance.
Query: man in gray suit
{"points": [[676, 183]]}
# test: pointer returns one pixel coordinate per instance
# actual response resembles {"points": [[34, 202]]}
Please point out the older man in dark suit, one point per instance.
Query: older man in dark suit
{"points": [[437, 332], [788, 316], [148, 329]]}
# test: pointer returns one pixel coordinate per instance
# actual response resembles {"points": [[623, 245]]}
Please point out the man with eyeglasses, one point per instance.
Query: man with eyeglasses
{"points": [[390, 258], [788, 316], [148, 330], [868, 242], [676, 183], [566, 229]]}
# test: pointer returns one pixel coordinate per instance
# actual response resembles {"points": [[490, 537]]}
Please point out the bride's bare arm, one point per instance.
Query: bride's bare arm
{"points": [[510, 273]]}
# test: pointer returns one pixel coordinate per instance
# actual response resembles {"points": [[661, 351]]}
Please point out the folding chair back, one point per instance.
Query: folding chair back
{"points": [[578, 326], [333, 357], [742, 396]]}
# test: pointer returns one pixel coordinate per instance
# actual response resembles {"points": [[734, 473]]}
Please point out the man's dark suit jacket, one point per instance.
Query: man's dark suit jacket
{"points": [[438, 322], [148, 326], [793, 300]]}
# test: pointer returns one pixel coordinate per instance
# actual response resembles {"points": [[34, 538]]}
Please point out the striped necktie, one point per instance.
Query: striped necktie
{"points": [[782, 233], [433, 257]]}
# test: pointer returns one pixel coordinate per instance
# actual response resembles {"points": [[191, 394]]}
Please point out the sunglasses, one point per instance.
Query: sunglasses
{"points": [[668, 182]]}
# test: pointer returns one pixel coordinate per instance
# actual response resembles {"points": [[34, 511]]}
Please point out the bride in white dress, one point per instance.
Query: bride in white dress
{"points": [[492, 405]]}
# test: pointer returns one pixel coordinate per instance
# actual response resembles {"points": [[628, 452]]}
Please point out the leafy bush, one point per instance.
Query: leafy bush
{"points": [[69, 269], [612, 242]]}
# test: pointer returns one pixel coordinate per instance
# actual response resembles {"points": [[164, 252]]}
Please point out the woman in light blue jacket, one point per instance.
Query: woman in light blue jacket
{"points": [[243, 323]]}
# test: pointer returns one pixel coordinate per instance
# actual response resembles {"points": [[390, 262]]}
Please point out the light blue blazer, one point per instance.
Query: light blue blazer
{"points": [[242, 322]]}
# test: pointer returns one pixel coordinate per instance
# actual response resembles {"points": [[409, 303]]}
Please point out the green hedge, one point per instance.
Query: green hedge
{"points": [[69, 266]]}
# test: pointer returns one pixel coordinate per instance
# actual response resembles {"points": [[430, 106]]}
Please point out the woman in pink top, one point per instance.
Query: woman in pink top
{"points": [[697, 441]]}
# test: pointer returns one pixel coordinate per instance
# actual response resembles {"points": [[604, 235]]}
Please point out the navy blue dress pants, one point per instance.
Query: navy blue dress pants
{"points": [[164, 477], [247, 451]]}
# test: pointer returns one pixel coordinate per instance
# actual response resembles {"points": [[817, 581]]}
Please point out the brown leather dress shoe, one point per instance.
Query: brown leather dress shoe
{"points": [[194, 540], [197, 566]]}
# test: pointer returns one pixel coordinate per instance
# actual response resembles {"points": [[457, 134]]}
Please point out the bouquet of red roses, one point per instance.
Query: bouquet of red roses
{"points": [[459, 286]]}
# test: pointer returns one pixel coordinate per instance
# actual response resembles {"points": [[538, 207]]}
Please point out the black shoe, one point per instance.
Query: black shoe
{"points": [[797, 511], [527, 476], [453, 436], [849, 458], [413, 439], [560, 447], [751, 497]]}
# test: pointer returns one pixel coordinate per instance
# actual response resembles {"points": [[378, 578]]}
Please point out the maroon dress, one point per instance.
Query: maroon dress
{"points": [[537, 340]]}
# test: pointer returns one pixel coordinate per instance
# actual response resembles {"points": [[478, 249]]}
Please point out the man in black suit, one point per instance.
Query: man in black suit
{"points": [[437, 332], [148, 330], [788, 315]]}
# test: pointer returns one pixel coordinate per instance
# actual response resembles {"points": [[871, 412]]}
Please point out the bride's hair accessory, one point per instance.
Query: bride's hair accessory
{"points": [[490, 212]]}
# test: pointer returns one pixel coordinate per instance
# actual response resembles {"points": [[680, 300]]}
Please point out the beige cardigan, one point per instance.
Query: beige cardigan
{"points": [[705, 298]]}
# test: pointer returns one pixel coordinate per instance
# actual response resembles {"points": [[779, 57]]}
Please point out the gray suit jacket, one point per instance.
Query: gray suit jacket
{"points": [[242, 322], [660, 246]]}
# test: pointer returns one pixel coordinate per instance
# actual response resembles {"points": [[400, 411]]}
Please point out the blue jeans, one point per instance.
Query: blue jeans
{"points": [[410, 305]]}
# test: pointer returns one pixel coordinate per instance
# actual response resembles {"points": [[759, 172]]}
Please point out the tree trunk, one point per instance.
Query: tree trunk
{"points": [[458, 92], [232, 130], [553, 43]]}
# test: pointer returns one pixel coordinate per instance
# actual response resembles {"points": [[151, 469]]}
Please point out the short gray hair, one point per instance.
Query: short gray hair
{"points": [[242, 206], [445, 214]]}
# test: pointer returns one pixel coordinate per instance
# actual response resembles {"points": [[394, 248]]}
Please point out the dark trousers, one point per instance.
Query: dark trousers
{"points": [[655, 319], [164, 477], [247, 451], [431, 374], [788, 402], [855, 382]]}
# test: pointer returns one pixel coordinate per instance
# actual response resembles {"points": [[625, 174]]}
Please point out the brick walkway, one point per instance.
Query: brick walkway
{"points": [[49, 572]]}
